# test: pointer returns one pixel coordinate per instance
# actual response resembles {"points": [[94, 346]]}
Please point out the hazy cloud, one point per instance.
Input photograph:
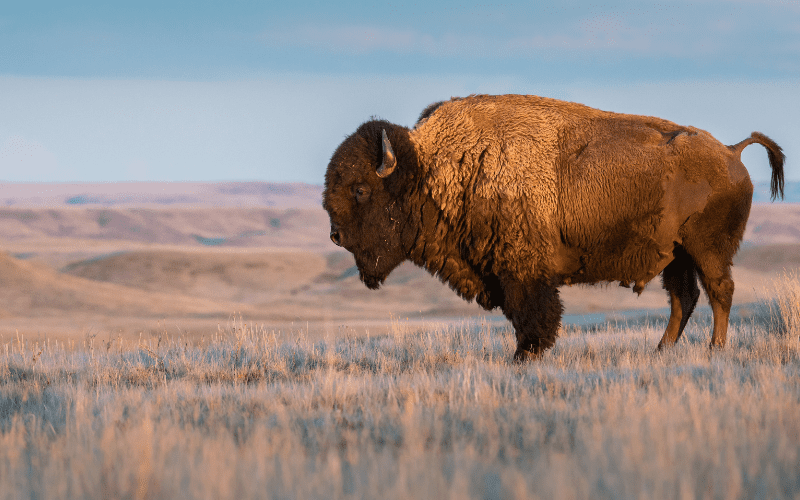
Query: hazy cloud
{"points": [[22, 159], [576, 39], [368, 39], [688, 31]]}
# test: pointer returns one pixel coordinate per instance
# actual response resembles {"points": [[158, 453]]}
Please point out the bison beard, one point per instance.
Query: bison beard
{"points": [[506, 198], [372, 282], [374, 279]]}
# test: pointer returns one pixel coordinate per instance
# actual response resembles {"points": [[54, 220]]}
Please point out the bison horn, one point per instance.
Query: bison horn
{"points": [[389, 160]]}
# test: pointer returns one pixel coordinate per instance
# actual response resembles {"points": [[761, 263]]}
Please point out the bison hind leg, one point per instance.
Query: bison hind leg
{"points": [[712, 239], [680, 280], [535, 312], [720, 295]]}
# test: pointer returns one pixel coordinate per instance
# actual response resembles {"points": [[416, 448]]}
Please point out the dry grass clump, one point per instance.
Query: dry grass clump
{"points": [[436, 412], [785, 308]]}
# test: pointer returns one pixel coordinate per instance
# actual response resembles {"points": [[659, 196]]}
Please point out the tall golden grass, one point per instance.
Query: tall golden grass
{"points": [[437, 412]]}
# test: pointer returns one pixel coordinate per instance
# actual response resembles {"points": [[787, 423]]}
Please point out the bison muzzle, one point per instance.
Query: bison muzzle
{"points": [[507, 198]]}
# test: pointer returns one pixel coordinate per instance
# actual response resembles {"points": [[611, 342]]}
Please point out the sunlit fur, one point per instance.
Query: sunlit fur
{"points": [[506, 198]]}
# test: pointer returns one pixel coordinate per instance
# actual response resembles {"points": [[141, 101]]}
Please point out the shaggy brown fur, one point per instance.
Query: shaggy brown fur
{"points": [[506, 198]]}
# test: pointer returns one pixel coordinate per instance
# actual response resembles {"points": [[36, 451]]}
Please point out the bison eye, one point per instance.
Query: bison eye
{"points": [[361, 193]]}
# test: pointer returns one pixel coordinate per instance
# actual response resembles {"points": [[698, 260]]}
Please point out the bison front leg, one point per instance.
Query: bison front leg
{"points": [[535, 312]]}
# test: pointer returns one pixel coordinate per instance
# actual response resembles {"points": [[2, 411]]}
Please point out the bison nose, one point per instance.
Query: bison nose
{"points": [[336, 237]]}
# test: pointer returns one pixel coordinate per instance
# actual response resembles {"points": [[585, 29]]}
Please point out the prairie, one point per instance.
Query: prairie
{"points": [[203, 341], [431, 412]]}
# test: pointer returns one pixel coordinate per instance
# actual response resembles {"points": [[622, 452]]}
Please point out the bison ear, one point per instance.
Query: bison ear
{"points": [[389, 160]]}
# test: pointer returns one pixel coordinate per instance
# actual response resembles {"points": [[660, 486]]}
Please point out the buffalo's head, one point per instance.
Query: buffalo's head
{"points": [[362, 196]]}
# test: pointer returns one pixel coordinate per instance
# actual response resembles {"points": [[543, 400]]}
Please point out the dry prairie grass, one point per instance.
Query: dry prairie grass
{"points": [[421, 413]]}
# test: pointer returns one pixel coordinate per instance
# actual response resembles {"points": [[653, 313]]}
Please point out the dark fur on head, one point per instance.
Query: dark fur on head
{"points": [[365, 210]]}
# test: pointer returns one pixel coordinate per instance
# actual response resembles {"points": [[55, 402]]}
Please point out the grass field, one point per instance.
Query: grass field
{"points": [[436, 412]]}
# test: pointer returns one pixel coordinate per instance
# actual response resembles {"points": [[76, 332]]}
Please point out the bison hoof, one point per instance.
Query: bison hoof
{"points": [[524, 356]]}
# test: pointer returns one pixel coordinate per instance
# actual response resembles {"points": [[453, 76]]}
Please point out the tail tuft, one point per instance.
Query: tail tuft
{"points": [[776, 159]]}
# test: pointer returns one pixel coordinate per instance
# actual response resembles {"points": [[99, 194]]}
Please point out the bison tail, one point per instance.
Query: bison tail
{"points": [[776, 158]]}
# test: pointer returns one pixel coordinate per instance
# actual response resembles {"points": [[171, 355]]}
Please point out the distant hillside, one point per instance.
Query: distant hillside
{"points": [[201, 226], [130, 258], [149, 194]]}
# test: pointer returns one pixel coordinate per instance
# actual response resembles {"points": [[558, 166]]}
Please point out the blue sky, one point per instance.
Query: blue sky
{"points": [[242, 90]]}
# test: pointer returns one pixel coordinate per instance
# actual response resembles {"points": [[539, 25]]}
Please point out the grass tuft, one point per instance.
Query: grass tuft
{"points": [[419, 413]]}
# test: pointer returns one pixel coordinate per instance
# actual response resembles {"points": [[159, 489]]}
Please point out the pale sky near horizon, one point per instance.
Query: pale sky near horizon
{"points": [[201, 91]]}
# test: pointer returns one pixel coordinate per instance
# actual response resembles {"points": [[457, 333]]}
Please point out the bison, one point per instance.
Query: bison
{"points": [[507, 198]]}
